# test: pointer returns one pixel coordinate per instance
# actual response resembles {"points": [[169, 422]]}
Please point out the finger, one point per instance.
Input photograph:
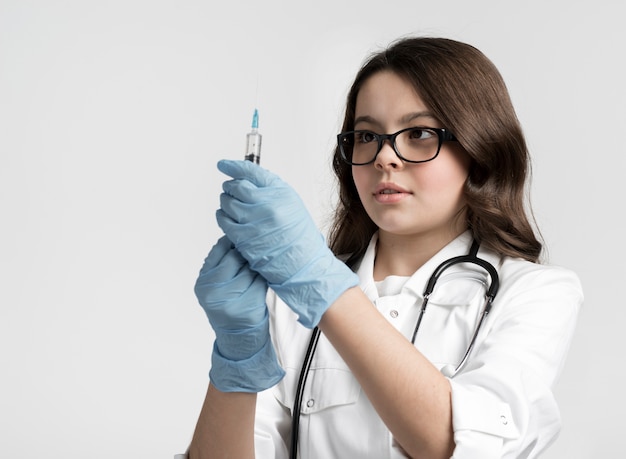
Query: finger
{"points": [[242, 212], [217, 252], [228, 225], [223, 263], [247, 170], [277, 195], [217, 287], [241, 189], [238, 232]]}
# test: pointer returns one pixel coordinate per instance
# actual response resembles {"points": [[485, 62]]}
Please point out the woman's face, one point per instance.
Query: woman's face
{"points": [[408, 199]]}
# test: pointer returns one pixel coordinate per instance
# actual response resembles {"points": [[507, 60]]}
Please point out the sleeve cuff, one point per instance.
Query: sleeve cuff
{"points": [[481, 423]]}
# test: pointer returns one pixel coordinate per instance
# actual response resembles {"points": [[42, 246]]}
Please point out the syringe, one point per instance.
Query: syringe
{"points": [[253, 141]]}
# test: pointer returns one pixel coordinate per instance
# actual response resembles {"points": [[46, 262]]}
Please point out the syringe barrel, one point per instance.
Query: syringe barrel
{"points": [[253, 147]]}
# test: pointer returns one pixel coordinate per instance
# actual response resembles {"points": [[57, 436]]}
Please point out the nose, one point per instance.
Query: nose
{"points": [[387, 157]]}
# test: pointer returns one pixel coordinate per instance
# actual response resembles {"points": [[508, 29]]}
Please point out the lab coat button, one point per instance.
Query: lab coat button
{"points": [[504, 420], [393, 313], [310, 403]]}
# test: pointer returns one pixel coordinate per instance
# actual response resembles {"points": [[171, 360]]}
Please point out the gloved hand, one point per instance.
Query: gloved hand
{"points": [[233, 298], [270, 226]]}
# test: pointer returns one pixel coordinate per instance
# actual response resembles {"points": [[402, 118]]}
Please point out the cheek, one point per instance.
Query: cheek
{"points": [[448, 175], [360, 178], [446, 180]]}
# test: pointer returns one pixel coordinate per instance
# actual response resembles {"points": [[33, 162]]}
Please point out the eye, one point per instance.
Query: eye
{"points": [[421, 134], [365, 137]]}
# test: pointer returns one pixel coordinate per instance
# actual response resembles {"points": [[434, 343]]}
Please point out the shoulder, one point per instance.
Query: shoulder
{"points": [[528, 274], [545, 287]]}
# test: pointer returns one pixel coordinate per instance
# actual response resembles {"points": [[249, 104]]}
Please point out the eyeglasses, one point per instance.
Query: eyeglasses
{"points": [[413, 145]]}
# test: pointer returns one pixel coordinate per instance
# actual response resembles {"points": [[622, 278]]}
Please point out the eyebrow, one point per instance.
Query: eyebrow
{"points": [[404, 120]]}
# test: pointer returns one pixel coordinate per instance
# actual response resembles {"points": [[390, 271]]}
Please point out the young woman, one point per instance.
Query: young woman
{"points": [[432, 165]]}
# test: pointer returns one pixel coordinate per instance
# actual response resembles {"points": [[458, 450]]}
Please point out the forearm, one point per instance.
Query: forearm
{"points": [[225, 428], [411, 396]]}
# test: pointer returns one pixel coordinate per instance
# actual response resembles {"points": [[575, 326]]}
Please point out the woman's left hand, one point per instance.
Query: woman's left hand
{"points": [[233, 298], [269, 225]]}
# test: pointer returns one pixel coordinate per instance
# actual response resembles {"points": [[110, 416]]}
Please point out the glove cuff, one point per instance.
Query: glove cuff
{"points": [[241, 344], [257, 371]]}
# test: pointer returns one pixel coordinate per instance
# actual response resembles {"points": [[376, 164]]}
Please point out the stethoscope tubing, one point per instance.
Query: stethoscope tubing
{"points": [[306, 366]]}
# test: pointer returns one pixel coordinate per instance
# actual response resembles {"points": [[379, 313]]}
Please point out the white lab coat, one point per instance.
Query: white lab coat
{"points": [[502, 400]]}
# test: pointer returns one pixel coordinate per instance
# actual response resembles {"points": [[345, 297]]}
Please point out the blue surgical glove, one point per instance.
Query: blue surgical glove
{"points": [[270, 226], [233, 298]]}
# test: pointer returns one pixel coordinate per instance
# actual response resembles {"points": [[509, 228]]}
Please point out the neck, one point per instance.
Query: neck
{"points": [[402, 255]]}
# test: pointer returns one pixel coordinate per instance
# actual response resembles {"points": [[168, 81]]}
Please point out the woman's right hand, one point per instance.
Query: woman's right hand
{"points": [[269, 224]]}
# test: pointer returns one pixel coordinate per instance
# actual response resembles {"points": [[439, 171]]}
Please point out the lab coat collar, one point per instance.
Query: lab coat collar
{"points": [[417, 282]]}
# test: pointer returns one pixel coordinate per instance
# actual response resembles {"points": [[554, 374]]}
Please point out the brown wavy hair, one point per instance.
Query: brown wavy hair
{"points": [[467, 94]]}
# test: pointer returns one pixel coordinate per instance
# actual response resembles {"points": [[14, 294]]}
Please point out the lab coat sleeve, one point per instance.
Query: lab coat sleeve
{"points": [[502, 401]]}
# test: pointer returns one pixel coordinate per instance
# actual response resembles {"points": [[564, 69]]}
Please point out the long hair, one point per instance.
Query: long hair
{"points": [[467, 94]]}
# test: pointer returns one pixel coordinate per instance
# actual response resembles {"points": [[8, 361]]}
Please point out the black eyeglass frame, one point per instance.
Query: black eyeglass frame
{"points": [[443, 134]]}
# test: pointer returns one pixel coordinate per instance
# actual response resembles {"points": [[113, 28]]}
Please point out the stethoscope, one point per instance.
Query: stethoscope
{"points": [[447, 370]]}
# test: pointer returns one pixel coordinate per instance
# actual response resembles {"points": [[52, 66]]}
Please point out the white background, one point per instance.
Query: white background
{"points": [[112, 117]]}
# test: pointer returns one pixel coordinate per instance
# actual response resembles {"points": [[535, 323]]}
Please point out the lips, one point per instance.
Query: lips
{"points": [[390, 193], [389, 188]]}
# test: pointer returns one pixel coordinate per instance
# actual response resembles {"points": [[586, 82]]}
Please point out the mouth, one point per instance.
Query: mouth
{"points": [[389, 193], [390, 188]]}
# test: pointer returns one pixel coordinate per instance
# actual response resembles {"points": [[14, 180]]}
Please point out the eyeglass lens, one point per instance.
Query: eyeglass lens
{"points": [[414, 144]]}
